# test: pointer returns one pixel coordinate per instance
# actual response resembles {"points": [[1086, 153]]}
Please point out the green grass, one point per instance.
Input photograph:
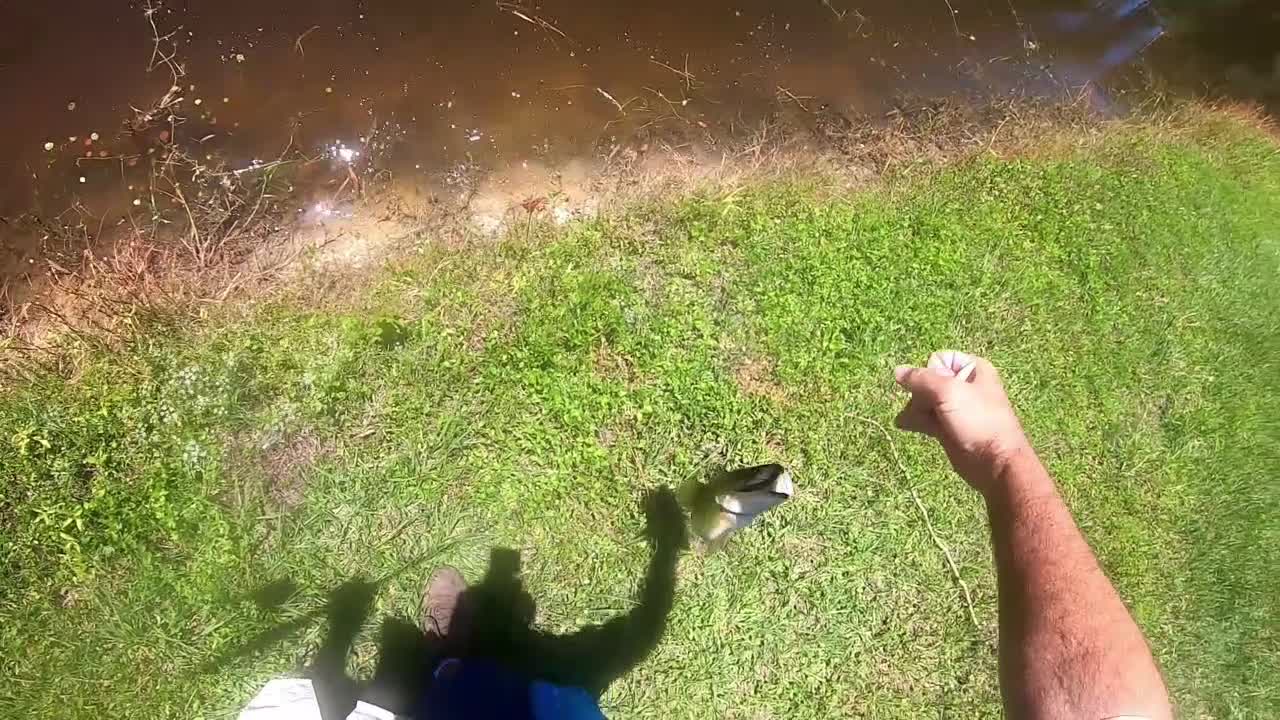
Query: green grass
{"points": [[527, 393]]}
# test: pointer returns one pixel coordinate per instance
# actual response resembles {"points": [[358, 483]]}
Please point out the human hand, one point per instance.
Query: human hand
{"points": [[958, 399]]}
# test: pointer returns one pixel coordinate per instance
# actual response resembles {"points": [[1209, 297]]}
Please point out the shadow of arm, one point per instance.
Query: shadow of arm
{"points": [[594, 657]]}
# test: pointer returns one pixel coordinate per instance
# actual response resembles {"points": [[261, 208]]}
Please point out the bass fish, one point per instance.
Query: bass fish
{"points": [[735, 498]]}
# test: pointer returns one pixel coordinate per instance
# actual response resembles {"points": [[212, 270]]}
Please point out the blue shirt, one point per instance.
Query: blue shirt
{"points": [[484, 690]]}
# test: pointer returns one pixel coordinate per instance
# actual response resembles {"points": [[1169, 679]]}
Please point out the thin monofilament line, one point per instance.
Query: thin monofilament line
{"points": [[928, 524]]}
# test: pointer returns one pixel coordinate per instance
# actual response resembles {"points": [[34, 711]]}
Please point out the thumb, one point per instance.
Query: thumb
{"points": [[925, 383]]}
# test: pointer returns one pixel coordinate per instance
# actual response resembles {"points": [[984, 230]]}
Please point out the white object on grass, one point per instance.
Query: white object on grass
{"points": [[295, 699]]}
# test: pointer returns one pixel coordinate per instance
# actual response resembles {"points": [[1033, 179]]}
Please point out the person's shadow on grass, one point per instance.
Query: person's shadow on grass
{"points": [[499, 613]]}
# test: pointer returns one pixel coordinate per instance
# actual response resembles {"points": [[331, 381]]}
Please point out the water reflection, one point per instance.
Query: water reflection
{"points": [[426, 87], [471, 81]]}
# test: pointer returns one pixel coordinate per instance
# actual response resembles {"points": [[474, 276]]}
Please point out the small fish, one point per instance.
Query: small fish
{"points": [[735, 498]]}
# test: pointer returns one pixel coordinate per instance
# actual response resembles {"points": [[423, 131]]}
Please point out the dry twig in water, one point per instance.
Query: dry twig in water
{"points": [[530, 18], [952, 11], [297, 44], [928, 524], [158, 56], [607, 96], [675, 110], [796, 100], [688, 77]]}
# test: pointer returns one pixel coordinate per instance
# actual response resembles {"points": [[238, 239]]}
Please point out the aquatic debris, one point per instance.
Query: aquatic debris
{"points": [[530, 18], [688, 77], [954, 24], [611, 99], [297, 44], [794, 98]]}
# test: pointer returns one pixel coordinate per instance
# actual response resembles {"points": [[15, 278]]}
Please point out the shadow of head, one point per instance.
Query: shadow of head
{"points": [[495, 615]]}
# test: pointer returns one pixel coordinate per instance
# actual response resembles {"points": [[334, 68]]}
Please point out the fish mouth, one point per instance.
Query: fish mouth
{"points": [[765, 477], [779, 497]]}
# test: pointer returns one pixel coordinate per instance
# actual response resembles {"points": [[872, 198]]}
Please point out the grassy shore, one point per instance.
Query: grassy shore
{"points": [[175, 517]]}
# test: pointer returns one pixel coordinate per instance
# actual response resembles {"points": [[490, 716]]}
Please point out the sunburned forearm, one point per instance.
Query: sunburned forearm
{"points": [[1068, 647]]}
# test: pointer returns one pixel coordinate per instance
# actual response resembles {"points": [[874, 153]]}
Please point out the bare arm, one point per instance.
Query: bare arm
{"points": [[1068, 647]]}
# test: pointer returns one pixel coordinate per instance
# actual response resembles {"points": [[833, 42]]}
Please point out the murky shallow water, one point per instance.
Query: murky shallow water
{"points": [[432, 85]]}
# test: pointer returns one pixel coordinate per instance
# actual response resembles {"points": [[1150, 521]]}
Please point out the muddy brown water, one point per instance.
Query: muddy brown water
{"points": [[433, 85]]}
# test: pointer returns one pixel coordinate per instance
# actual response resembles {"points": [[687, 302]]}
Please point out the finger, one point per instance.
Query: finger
{"points": [[985, 368], [929, 383], [977, 369], [916, 417], [952, 361]]}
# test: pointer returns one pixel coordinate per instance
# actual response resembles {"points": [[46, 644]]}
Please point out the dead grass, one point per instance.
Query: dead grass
{"points": [[272, 472], [805, 139], [287, 466], [755, 377], [613, 365]]}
